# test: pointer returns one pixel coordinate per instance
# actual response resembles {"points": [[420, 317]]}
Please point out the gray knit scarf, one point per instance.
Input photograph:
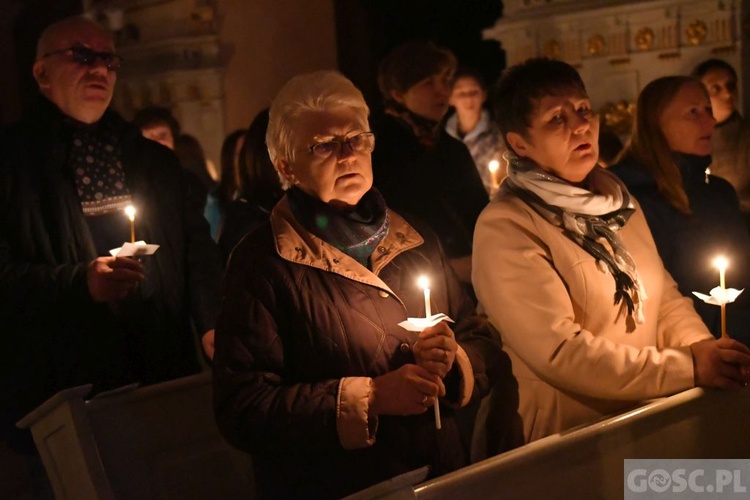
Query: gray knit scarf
{"points": [[586, 216]]}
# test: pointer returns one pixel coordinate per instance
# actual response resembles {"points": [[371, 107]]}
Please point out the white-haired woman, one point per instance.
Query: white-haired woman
{"points": [[313, 375]]}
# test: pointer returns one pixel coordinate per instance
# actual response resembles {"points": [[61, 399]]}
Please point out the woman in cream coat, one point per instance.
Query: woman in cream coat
{"points": [[566, 269]]}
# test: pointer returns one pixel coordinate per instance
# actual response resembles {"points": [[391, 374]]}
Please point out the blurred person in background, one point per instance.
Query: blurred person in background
{"points": [[258, 187], [419, 168], [730, 158], [158, 124], [471, 123], [226, 189]]}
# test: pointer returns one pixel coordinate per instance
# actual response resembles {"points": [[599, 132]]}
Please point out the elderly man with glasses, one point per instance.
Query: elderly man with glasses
{"points": [[73, 314]]}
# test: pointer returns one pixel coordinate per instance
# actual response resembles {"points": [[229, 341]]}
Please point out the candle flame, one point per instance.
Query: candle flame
{"points": [[721, 263], [423, 282], [493, 166], [130, 212]]}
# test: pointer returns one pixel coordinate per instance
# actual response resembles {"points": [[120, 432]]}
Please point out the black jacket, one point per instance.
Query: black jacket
{"points": [[302, 329], [688, 244], [441, 185], [54, 335]]}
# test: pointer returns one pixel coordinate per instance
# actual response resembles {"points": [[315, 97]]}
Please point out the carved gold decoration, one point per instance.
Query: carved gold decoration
{"points": [[696, 32], [644, 39], [552, 49], [596, 45], [618, 116]]}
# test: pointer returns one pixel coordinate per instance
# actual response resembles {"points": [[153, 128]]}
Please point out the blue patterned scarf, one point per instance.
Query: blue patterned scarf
{"points": [[355, 232]]}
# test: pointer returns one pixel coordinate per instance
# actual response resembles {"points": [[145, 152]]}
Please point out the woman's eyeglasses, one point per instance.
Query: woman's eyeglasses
{"points": [[88, 57], [363, 142]]}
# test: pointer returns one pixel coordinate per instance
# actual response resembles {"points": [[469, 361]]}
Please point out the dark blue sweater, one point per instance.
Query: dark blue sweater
{"points": [[688, 244]]}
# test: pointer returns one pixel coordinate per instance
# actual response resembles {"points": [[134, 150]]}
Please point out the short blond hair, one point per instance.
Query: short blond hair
{"points": [[309, 93]]}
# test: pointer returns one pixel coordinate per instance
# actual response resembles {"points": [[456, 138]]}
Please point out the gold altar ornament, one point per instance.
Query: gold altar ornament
{"points": [[596, 45], [696, 32], [644, 39], [618, 116], [552, 49]]}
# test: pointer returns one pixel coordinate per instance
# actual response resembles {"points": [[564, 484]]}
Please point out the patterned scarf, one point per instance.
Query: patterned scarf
{"points": [[355, 232], [426, 131], [95, 158], [586, 216]]}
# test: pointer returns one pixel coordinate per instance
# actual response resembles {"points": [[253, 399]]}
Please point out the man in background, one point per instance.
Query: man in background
{"points": [[158, 124], [731, 141]]}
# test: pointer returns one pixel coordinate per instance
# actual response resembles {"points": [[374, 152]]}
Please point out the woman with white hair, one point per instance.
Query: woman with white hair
{"points": [[313, 374]]}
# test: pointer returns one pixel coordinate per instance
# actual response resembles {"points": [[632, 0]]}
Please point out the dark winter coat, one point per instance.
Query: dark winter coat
{"points": [[439, 185], [303, 329], [688, 244]]}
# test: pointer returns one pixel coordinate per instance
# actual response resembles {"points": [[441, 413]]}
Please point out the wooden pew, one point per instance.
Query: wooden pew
{"points": [[159, 441], [587, 462]]}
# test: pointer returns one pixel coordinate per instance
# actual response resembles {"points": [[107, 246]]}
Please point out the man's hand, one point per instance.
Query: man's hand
{"points": [[207, 341], [410, 390], [436, 348], [112, 278], [720, 363]]}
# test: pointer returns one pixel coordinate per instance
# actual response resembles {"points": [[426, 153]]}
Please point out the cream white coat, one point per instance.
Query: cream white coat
{"points": [[575, 354]]}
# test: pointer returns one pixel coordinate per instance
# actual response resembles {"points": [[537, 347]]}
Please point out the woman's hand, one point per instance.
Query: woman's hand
{"points": [[723, 363], [436, 348], [410, 390]]}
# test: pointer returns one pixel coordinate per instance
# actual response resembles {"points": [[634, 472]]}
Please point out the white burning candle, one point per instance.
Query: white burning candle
{"points": [[425, 284], [130, 212], [721, 263], [493, 167]]}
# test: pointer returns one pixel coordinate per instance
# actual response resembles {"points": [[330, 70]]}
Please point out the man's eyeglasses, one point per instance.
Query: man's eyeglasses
{"points": [[363, 142], [88, 57]]}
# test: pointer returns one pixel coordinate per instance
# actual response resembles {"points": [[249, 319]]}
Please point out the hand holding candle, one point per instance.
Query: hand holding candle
{"points": [[130, 212], [436, 352]]}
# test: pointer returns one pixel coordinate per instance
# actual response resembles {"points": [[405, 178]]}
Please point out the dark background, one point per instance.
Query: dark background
{"points": [[365, 30]]}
